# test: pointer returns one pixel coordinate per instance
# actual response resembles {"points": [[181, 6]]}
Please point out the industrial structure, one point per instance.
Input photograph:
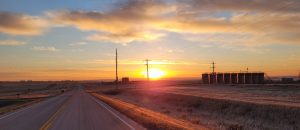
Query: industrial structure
{"points": [[125, 80], [232, 78]]}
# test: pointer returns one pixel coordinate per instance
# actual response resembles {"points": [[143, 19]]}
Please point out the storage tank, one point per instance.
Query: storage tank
{"points": [[226, 78], [255, 78], [220, 78], [241, 78], [212, 78], [233, 77], [205, 78], [125, 80], [248, 78], [261, 78]]}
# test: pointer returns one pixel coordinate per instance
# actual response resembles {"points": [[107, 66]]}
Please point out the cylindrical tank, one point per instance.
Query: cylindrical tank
{"points": [[241, 78], [261, 78], [220, 78], [205, 78], [248, 78], [212, 78], [233, 77], [226, 78], [255, 78]]}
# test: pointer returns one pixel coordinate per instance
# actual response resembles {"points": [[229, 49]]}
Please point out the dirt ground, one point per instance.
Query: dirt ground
{"points": [[14, 90]]}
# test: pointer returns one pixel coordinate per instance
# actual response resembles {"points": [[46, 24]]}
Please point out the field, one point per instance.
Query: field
{"points": [[270, 107], [16, 95]]}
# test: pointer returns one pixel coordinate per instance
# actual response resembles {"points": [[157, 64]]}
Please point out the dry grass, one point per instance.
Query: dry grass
{"points": [[18, 104], [149, 119], [215, 113], [224, 107]]}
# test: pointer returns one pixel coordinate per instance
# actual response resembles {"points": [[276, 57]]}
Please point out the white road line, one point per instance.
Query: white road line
{"points": [[100, 103]]}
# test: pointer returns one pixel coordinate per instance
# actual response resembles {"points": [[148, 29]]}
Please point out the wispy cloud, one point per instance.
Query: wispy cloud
{"points": [[11, 43], [78, 44], [126, 37], [21, 24], [42, 48], [245, 5], [124, 24]]}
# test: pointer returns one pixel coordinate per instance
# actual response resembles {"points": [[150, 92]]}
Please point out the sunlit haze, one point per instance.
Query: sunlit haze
{"points": [[155, 73], [76, 40]]}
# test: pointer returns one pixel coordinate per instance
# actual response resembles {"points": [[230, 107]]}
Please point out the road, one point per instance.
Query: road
{"points": [[74, 110]]}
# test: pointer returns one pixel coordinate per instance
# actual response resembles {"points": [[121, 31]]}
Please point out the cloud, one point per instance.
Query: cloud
{"points": [[126, 37], [11, 43], [21, 24], [42, 48], [128, 23], [244, 5], [78, 44], [141, 20]]}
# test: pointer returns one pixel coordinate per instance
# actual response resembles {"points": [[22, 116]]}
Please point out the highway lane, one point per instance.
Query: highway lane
{"points": [[33, 117], [75, 110], [82, 112]]}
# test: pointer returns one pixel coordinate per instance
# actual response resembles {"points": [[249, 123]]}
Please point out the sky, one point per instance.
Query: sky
{"points": [[76, 39]]}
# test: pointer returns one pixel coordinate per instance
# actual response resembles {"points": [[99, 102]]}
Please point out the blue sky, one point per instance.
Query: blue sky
{"points": [[58, 40], [37, 7]]}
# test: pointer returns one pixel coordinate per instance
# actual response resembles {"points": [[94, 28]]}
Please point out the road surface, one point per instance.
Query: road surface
{"points": [[74, 110]]}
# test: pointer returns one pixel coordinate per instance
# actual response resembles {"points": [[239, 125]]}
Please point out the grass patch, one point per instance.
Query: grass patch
{"points": [[9, 105], [113, 92], [7, 102], [242, 115]]}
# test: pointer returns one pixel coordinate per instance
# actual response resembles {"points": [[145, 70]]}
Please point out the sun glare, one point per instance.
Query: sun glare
{"points": [[155, 73]]}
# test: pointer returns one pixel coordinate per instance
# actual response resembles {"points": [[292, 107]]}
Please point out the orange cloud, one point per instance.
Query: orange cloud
{"points": [[126, 37]]}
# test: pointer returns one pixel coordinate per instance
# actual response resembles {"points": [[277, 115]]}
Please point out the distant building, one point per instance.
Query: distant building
{"points": [[125, 80], [287, 80]]}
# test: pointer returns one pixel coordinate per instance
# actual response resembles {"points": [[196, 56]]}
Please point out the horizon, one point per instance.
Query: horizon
{"points": [[76, 40], [274, 78]]}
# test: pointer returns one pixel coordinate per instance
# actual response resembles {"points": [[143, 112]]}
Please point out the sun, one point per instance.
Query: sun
{"points": [[155, 73]]}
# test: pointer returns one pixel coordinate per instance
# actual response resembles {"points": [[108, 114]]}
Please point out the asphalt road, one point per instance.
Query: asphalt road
{"points": [[74, 110]]}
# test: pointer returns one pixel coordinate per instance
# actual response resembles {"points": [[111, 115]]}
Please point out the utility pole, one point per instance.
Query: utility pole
{"points": [[117, 68], [147, 64], [213, 67]]}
